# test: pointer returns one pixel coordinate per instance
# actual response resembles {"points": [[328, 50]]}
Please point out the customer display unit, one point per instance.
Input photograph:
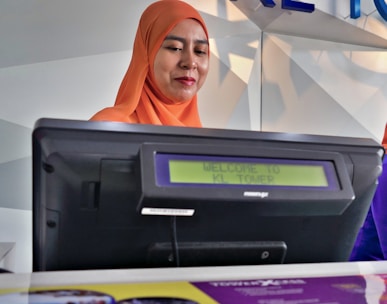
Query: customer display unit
{"points": [[116, 195]]}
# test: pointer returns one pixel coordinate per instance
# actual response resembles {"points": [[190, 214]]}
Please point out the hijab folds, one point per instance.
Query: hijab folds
{"points": [[138, 99]]}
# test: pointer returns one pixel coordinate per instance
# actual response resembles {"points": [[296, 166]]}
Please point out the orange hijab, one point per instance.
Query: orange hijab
{"points": [[384, 141], [138, 99]]}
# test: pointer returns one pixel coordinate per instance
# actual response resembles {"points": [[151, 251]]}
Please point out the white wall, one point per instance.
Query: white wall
{"points": [[271, 70]]}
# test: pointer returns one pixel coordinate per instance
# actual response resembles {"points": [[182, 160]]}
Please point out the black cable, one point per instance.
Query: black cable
{"points": [[174, 243]]}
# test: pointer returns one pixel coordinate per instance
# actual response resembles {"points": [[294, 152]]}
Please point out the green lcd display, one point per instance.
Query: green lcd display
{"points": [[240, 173]]}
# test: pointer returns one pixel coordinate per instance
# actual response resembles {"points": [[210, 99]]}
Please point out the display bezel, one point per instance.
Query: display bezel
{"points": [[272, 200]]}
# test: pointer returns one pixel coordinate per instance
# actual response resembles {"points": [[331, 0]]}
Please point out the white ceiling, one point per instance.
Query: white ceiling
{"points": [[43, 30]]}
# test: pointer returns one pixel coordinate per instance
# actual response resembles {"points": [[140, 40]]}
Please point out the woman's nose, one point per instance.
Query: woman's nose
{"points": [[188, 60]]}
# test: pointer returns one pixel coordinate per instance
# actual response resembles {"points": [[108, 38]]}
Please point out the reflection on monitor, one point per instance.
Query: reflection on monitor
{"points": [[115, 195]]}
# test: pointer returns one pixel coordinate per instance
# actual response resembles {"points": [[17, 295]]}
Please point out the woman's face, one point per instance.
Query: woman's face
{"points": [[181, 64]]}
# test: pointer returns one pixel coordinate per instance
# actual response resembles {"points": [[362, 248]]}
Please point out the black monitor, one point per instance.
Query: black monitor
{"points": [[113, 195]]}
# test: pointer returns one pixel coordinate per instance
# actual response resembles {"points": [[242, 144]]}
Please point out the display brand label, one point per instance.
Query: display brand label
{"points": [[256, 194]]}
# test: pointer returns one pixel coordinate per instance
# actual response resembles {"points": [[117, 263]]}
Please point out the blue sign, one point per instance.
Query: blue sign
{"points": [[381, 6], [293, 5]]}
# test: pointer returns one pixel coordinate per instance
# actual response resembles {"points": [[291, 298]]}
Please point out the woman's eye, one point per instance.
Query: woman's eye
{"points": [[173, 48], [201, 52]]}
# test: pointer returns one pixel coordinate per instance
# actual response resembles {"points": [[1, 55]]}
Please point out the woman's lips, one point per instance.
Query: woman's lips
{"points": [[188, 81]]}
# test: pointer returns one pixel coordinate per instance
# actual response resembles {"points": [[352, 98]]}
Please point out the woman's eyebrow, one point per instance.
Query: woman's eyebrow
{"points": [[183, 40]]}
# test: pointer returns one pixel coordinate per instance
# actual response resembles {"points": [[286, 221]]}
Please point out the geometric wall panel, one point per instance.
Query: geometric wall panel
{"points": [[16, 229], [16, 184], [322, 72], [217, 110], [15, 141], [15, 166], [310, 86], [240, 118], [222, 77], [234, 48], [73, 88]]}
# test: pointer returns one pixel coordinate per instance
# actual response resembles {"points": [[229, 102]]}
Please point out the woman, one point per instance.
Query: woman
{"points": [[169, 65], [371, 243]]}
